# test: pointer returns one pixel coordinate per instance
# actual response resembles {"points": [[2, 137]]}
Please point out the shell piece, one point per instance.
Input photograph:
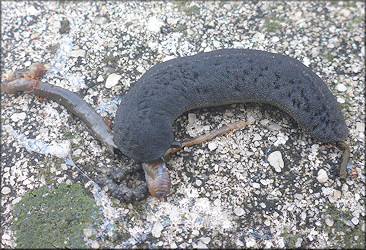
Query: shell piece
{"points": [[143, 123], [157, 178]]}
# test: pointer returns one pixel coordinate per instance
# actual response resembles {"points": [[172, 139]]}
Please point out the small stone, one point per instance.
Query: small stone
{"points": [[274, 127], [5, 190], [360, 127], [341, 87], [77, 53], [256, 185], [112, 80], [200, 245], [239, 211], [18, 116], [95, 244], [346, 12], [156, 231], [306, 61], [337, 194], [140, 69], [216, 44], [154, 24], [275, 160], [205, 240], [100, 78], [355, 220], [191, 118], [250, 242], [322, 176], [341, 100], [88, 232], [329, 222], [198, 183], [172, 21], [196, 232], [275, 39], [212, 145], [257, 137]]}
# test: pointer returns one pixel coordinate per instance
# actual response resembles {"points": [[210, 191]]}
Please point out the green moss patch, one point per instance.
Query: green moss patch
{"points": [[56, 218]]}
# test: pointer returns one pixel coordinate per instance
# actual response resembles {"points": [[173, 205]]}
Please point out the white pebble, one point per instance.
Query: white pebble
{"points": [[172, 21], [88, 232], [329, 221], [212, 145], [205, 240], [322, 176], [256, 185], [360, 127], [275, 160], [154, 24], [77, 53], [337, 194], [112, 80], [239, 211], [341, 100], [275, 39], [341, 87], [95, 244], [156, 231], [198, 183], [18, 116], [100, 78], [355, 220], [5, 190], [257, 137], [306, 61]]}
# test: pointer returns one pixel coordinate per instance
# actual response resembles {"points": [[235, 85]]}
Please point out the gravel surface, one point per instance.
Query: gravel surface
{"points": [[268, 185]]}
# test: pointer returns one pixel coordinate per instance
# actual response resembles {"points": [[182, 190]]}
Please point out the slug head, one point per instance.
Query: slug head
{"points": [[157, 178]]}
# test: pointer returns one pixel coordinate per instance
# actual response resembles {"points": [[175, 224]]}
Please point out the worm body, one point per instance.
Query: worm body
{"points": [[71, 101], [143, 123]]}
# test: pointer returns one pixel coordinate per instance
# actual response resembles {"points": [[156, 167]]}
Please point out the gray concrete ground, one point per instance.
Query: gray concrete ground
{"points": [[225, 193]]}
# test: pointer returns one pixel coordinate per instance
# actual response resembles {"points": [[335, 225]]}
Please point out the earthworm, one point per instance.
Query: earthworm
{"points": [[71, 101]]}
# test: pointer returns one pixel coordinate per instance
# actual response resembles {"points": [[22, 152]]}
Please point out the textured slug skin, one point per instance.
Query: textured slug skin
{"points": [[143, 123]]}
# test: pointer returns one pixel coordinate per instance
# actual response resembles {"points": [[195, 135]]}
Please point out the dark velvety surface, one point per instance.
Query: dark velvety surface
{"points": [[143, 124]]}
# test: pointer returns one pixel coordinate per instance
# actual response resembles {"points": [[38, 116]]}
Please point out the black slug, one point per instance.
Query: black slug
{"points": [[143, 123]]}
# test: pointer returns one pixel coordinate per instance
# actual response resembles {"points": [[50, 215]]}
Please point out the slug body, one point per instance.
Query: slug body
{"points": [[143, 122]]}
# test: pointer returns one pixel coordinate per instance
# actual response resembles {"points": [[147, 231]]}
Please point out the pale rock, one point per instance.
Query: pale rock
{"points": [[276, 161], [322, 176], [18, 116], [100, 78], [337, 194], [341, 87], [191, 118], [95, 244], [112, 80], [156, 231], [88, 232], [212, 145], [77, 53], [5, 190], [154, 24], [355, 220], [239, 211]]}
